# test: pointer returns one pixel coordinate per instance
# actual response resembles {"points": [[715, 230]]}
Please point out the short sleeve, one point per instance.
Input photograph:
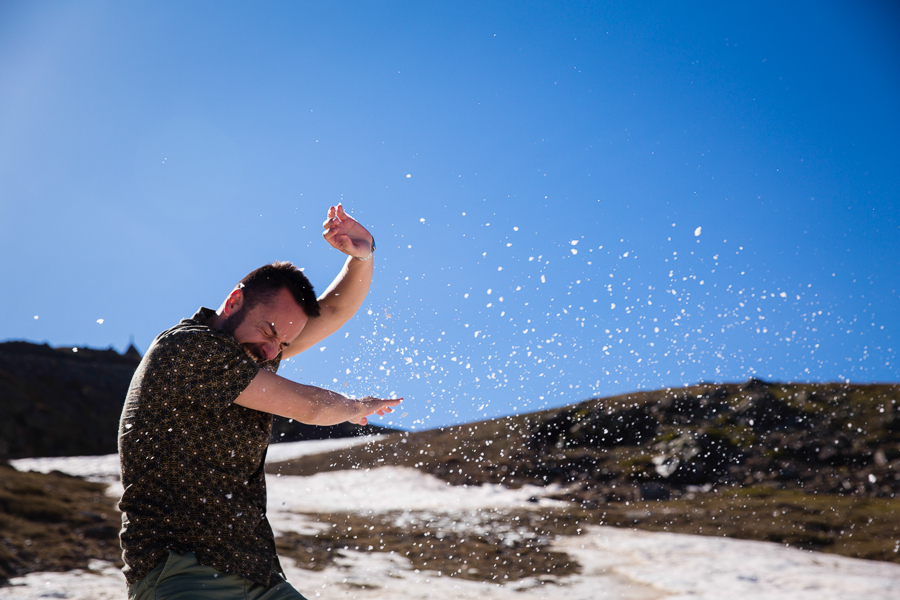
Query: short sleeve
{"points": [[202, 366]]}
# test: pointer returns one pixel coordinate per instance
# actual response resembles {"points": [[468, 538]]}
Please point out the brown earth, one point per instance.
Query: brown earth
{"points": [[54, 522], [809, 466], [508, 545]]}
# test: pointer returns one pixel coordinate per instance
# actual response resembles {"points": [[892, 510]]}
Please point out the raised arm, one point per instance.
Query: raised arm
{"points": [[345, 295], [273, 394]]}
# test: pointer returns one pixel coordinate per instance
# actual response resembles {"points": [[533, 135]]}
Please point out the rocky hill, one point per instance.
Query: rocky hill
{"points": [[67, 402], [819, 438], [815, 466], [61, 401]]}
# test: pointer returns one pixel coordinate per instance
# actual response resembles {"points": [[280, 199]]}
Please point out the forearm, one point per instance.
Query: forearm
{"points": [[349, 289], [318, 406], [305, 403], [337, 304]]}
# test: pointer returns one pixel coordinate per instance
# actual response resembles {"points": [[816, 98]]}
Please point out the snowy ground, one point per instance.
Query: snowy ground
{"points": [[616, 563]]}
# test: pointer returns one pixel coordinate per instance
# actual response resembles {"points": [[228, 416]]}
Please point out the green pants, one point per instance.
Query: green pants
{"points": [[183, 578]]}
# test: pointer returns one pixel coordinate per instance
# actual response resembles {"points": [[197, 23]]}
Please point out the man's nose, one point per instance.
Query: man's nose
{"points": [[270, 350]]}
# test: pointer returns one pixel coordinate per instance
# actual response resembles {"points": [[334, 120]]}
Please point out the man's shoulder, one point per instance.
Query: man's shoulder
{"points": [[194, 333], [194, 351]]}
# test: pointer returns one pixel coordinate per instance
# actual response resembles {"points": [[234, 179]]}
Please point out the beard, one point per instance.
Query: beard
{"points": [[230, 325]]}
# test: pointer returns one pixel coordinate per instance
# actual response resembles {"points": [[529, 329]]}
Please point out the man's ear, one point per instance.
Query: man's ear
{"points": [[234, 302]]}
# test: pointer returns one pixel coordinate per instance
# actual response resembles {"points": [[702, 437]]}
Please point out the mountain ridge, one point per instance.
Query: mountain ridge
{"points": [[67, 402], [813, 466]]}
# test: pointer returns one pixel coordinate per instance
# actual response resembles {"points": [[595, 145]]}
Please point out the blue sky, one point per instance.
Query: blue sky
{"points": [[570, 199]]}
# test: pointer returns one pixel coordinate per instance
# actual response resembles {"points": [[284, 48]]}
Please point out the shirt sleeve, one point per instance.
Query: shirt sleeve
{"points": [[203, 367]]}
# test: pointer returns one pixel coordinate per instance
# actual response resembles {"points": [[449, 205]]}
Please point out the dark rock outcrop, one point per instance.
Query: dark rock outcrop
{"points": [[61, 401], [67, 402]]}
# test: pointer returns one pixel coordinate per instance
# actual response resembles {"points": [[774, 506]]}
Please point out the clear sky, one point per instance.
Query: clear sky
{"points": [[570, 199]]}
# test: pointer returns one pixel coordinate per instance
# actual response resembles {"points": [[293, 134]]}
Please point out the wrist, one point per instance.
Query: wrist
{"points": [[369, 255]]}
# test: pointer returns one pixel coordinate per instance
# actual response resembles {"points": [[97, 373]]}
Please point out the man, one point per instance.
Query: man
{"points": [[197, 420]]}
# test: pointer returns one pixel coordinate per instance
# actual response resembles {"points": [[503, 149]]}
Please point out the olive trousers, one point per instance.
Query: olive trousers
{"points": [[183, 578]]}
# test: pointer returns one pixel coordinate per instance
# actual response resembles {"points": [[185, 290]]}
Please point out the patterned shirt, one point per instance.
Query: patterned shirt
{"points": [[192, 460]]}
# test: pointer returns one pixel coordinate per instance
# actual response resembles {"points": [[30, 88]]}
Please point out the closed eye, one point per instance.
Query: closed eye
{"points": [[273, 335]]}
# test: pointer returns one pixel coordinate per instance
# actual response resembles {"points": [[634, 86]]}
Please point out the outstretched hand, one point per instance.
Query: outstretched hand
{"points": [[346, 234], [369, 405]]}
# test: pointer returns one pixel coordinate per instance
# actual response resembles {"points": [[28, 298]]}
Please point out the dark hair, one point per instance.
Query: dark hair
{"points": [[264, 283]]}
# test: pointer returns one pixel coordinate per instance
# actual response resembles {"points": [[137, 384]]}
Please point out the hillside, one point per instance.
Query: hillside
{"points": [[810, 465], [814, 466], [60, 402], [67, 402]]}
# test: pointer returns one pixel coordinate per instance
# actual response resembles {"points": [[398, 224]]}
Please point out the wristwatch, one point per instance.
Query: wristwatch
{"points": [[369, 255]]}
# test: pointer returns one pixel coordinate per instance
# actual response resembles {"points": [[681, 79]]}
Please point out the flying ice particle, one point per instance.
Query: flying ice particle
{"points": [[36, 317], [322, 348], [543, 279], [574, 242], [422, 220], [697, 232], [408, 175], [783, 294], [573, 250], [99, 321], [612, 306]]}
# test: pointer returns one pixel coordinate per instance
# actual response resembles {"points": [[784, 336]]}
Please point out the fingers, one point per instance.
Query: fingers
{"points": [[337, 215], [333, 217], [376, 406], [345, 233], [387, 404], [337, 227], [336, 234]]}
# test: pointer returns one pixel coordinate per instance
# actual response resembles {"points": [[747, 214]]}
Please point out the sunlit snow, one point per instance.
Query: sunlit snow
{"points": [[615, 563]]}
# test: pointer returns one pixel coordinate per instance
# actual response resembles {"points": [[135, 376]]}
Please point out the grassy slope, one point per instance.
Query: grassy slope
{"points": [[54, 522], [811, 466]]}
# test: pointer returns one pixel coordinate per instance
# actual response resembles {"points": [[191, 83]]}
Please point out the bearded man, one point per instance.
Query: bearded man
{"points": [[197, 420]]}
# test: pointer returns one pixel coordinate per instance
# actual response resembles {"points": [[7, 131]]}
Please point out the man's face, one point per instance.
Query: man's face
{"points": [[267, 328]]}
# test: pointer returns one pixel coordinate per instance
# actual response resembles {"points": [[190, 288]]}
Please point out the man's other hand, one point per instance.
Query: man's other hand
{"points": [[370, 405], [346, 234]]}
